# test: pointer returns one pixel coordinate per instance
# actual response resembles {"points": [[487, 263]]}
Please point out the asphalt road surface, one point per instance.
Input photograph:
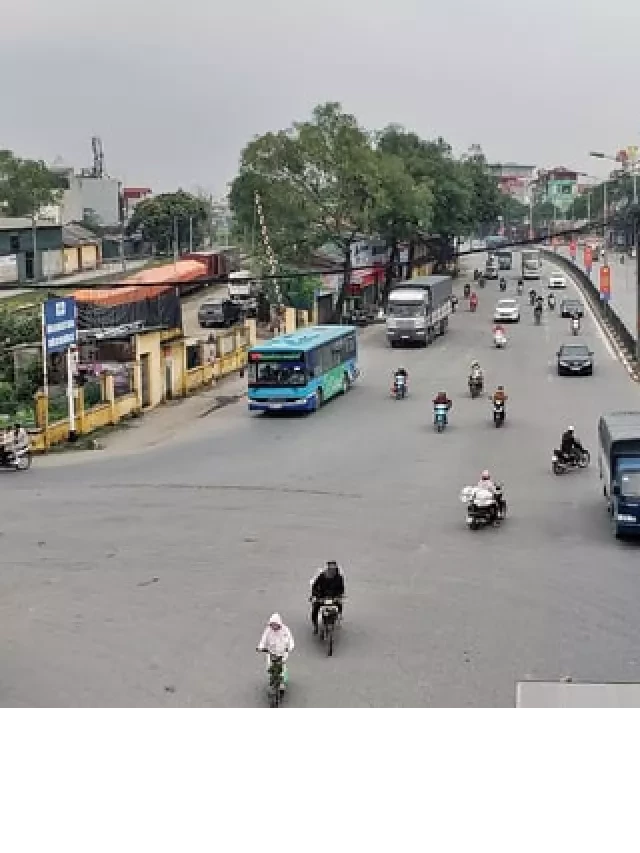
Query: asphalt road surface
{"points": [[147, 580]]}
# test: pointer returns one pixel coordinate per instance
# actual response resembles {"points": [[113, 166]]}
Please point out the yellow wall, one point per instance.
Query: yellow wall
{"points": [[70, 261], [174, 353], [89, 256], [149, 343]]}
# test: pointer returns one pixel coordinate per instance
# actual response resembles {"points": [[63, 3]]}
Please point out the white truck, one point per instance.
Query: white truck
{"points": [[531, 264], [418, 309], [243, 288]]}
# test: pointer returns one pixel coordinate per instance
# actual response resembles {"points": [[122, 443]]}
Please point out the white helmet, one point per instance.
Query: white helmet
{"points": [[485, 475], [571, 429]]}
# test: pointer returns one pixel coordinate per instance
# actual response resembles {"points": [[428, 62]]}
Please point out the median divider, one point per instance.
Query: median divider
{"points": [[618, 334]]}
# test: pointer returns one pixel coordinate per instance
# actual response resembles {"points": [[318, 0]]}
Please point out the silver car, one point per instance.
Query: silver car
{"points": [[507, 311]]}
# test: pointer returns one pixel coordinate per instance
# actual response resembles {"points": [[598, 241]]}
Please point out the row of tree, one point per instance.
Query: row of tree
{"points": [[26, 186], [328, 180]]}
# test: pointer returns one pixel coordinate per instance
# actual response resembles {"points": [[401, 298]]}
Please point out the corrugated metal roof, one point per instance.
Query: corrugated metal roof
{"points": [[20, 223], [78, 235]]}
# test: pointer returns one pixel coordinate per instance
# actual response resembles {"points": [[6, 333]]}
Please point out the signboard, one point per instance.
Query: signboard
{"points": [[587, 259], [276, 356], [573, 249], [605, 283], [60, 324]]}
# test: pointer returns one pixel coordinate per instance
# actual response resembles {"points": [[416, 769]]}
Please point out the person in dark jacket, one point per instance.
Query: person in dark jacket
{"points": [[570, 446], [328, 583]]}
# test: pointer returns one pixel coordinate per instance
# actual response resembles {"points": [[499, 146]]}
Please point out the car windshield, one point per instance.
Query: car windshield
{"points": [[277, 373], [412, 310], [574, 352], [630, 484], [507, 303]]}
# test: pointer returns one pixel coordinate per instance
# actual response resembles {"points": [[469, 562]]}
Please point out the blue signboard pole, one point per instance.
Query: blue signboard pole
{"points": [[60, 333]]}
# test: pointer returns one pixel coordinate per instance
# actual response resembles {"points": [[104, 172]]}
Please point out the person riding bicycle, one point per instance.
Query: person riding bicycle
{"points": [[328, 583]]}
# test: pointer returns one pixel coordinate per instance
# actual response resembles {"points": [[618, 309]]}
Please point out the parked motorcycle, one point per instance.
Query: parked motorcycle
{"points": [[16, 461], [499, 413], [560, 463], [440, 417], [483, 508], [399, 389], [328, 621]]}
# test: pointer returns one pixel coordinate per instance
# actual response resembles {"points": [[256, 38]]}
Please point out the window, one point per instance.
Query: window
{"points": [[14, 244]]}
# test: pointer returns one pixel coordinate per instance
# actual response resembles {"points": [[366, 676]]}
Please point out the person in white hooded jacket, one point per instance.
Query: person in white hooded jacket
{"points": [[276, 639]]}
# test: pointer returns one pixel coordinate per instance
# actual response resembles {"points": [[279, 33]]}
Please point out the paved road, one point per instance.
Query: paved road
{"points": [[623, 286], [233, 522]]}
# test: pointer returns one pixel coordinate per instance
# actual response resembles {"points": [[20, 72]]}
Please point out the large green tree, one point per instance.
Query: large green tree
{"points": [[26, 186], [319, 183], [158, 216], [485, 207]]}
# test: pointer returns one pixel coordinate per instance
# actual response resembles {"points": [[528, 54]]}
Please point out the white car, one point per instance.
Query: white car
{"points": [[507, 311], [557, 281]]}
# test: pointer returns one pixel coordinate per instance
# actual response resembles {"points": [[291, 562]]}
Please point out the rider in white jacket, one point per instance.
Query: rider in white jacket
{"points": [[277, 639]]}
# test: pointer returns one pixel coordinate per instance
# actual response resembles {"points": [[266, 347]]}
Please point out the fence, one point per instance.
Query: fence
{"points": [[603, 311]]}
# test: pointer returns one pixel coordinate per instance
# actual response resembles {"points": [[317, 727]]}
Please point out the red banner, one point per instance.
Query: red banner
{"points": [[573, 249], [587, 257], [605, 283]]}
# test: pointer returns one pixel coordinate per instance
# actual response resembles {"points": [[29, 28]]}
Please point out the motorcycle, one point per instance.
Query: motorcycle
{"points": [[560, 463], [499, 340], [16, 460], [484, 508], [519, 287], [481, 281], [551, 302], [499, 413], [467, 290], [399, 389], [329, 619], [473, 304], [476, 385], [277, 673], [532, 297], [454, 304], [575, 326], [503, 284], [537, 315], [440, 416], [476, 274]]}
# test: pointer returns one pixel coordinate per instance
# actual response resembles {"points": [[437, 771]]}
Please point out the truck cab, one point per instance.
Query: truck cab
{"points": [[619, 469]]}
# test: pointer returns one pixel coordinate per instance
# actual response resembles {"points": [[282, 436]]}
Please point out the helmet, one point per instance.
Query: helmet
{"points": [[571, 429], [474, 364], [442, 394], [485, 475], [500, 387]]}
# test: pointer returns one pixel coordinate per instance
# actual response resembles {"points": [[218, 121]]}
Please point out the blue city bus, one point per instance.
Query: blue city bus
{"points": [[302, 370]]}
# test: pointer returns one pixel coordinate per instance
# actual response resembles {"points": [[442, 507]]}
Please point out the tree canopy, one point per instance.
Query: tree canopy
{"points": [[26, 186], [157, 217]]}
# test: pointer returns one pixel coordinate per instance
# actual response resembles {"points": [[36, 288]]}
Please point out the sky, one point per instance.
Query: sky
{"points": [[176, 90]]}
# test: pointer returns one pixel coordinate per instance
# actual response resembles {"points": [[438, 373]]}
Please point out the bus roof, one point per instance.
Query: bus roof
{"points": [[423, 281], [304, 339], [622, 425]]}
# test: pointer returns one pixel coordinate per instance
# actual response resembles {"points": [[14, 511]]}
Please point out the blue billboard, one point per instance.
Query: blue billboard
{"points": [[60, 324]]}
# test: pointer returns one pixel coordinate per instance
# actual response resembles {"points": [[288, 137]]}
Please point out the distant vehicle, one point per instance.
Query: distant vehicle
{"points": [[505, 258], [418, 310], [302, 370], [244, 289], [569, 307], [574, 359], [507, 311], [494, 243], [221, 314], [557, 281], [492, 269], [619, 467], [531, 264]]}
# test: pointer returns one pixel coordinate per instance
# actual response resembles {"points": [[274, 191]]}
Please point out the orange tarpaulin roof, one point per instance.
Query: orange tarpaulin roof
{"points": [[120, 295], [181, 271]]}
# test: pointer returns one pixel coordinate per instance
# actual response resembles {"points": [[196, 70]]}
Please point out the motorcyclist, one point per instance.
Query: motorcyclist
{"points": [[442, 399], [575, 321], [498, 331], [475, 372], [467, 289], [15, 441], [277, 639], [486, 484], [532, 296], [520, 286], [401, 371], [551, 301], [328, 583], [473, 301], [503, 282], [499, 396], [570, 447]]}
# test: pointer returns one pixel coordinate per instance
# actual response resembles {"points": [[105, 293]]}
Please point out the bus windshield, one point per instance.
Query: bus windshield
{"points": [[276, 374]]}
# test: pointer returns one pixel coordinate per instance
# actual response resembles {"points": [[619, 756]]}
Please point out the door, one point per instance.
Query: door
{"points": [[145, 379], [29, 266], [168, 380]]}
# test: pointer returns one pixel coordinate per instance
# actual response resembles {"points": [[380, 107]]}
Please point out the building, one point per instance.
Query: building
{"points": [[131, 198], [513, 179], [558, 186], [82, 249], [85, 197], [29, 251]]}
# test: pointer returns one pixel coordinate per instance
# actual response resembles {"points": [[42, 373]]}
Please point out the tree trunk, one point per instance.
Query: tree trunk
{"points": [[390, 272], [342, 294]]}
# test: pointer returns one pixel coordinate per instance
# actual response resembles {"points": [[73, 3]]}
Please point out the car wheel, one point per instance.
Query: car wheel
{"points": [[590, 371]]}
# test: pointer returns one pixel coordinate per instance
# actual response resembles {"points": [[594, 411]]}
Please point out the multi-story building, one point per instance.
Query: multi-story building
{"points": [[514, 179], [559, 186]]}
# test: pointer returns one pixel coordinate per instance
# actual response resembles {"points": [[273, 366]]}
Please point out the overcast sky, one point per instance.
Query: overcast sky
{"points": [[176, 90]]}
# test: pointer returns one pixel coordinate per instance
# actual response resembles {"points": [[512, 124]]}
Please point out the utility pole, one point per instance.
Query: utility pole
{"points": [[34, 240], [123, 260], [176, 249], [191, 234], [636, 226]]}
